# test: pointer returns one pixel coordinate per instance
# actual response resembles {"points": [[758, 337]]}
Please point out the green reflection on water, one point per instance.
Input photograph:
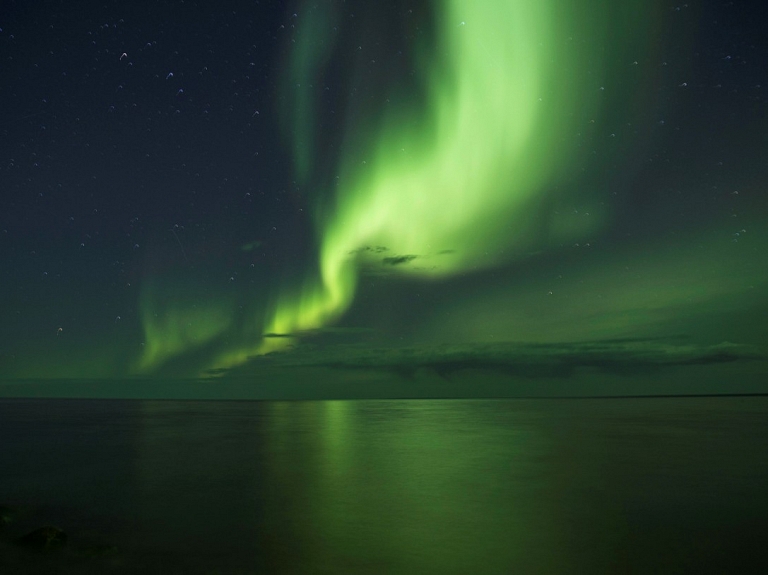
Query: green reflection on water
{"points": [[427, 486], [530, 486]]}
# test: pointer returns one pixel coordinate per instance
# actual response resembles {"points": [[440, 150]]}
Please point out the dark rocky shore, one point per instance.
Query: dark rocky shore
{"points": [[25, 548]]}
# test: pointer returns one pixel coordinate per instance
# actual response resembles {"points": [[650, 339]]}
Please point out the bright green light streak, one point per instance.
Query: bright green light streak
{"points": [[457, 189]]}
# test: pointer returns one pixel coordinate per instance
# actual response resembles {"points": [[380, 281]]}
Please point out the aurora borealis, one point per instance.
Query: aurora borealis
{"points": [[466, 174], [355, 187]]}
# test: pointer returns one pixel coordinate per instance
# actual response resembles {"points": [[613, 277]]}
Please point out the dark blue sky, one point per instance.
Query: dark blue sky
{"points": [[150, 143]]}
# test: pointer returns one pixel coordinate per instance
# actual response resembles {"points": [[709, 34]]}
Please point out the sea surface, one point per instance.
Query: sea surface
{"points": [[623, 485]]}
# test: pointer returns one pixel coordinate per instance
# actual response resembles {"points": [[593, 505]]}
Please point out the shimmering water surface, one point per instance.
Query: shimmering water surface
{"points": [[656, 485]]}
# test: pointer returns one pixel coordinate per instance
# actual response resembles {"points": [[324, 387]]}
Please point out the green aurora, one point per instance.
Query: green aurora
{"points": [[466, 175], [465, 211], [512, 90]]}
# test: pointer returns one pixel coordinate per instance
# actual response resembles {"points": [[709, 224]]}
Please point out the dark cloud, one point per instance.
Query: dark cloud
{"points": [[330, 330], [370, 249], [398, 260], [618, 357]]}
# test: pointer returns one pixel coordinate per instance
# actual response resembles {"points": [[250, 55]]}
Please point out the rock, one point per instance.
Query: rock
{"points": [[6, 515], [44, 538]]}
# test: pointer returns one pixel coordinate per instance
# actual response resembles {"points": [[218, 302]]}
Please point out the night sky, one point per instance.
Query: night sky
{"points": [[407, 190]]}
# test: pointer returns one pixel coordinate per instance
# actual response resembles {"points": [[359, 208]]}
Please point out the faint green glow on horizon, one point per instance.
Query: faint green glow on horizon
{"points": [[658, 289]]}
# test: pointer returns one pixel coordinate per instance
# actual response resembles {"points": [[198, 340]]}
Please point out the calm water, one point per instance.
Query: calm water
{"points": [[413, 486]]}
